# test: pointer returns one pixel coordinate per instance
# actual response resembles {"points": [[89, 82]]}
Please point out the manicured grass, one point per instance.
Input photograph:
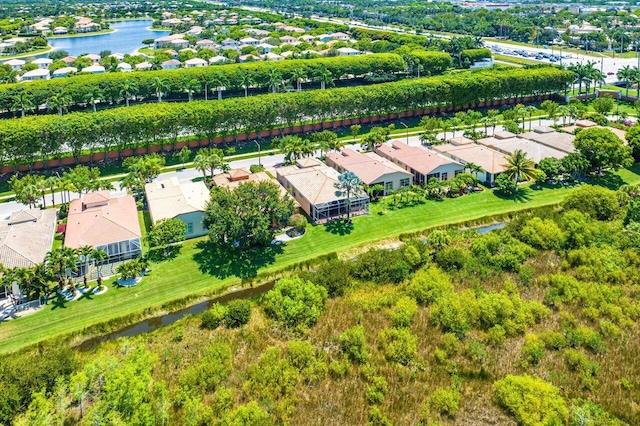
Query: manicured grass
{"points": [[515, 60], [94, 33], [198, 269], [27, 54]]}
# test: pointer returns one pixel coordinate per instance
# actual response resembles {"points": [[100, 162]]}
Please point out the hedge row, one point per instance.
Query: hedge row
{"points": [[26, 140]]}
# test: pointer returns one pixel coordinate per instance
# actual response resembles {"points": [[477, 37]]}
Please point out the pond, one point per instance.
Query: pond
{"points": [[489, 228], [126, 38]]}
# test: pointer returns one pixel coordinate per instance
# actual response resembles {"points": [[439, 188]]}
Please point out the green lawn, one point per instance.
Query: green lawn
{"points": [[199, 270], [94, 33]]}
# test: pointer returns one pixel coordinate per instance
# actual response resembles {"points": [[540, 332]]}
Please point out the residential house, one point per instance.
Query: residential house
{"points": [[195, 30], [118, 56], [265, 47], [312, 185], [250, 41], [230, 43], [371, 168], [307, 38], [144, 66], [170, 22], [218, 60], [60, 30], [105, 223], [272, 57], [340, 36], [424, 164], [550, 137], [38, 74], [124, 67], [236, 177], [15, 64], [42, 63], [195, 62], [249, 58], [492, 162], [348, 51], [323, 38], [68, 60], [26, 236], [184, 200], [171, 64], [63, 72], [205, 44], [92, 57], [288, 39], [94, 69], [532, 149]]}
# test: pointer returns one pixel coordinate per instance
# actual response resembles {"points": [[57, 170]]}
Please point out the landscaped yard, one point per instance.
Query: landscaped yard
{"points": [[199, 270]]}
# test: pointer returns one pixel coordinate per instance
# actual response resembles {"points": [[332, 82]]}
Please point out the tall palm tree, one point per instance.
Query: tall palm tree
{"points": [[626, 74], [191, 86], [24, 102], [598, 77], [129, 90], [298, 75], [218, 84], [93, 96], [246, 80], [84, 253], [210, 159], [530, 110], [161, 87], [474, 169], [348, 184], [564, 112], [99, 256], [52, 183], [519, 167], [274, 80], [324, 76], [445, 125], [580, 74], [59, 102], [60, 262]]}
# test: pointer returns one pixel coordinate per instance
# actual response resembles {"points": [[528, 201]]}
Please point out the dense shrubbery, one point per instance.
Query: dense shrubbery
{"points": [[295, 303]]}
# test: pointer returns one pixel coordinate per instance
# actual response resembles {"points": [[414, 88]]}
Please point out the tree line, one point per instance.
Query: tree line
{"points": [[33, 138], [114, 87]]}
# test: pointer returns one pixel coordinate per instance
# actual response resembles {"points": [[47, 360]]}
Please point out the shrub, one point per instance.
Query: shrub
{"points": [[301, 354], [587, 370], [553, 340], [334, 275], [381, 266], [451, 313], [377, 390], [428, 285], [213, 317], [531, 401], [376, 418], [405, 309], [542, 234], [398, 345], [532, 350], [445, 401], [298, 222], [496, 335], [599, 203], [255, 168], [354, 345], [505, 185], [238, 313], [210, 371], [451, 258], [295, 303]]}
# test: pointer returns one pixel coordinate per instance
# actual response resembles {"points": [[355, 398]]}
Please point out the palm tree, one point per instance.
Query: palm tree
{"points": [[60, 261], [23, 102], [598, 77], [626, 74], [161, 86], [218, 84], [11, 77], [246, 81], [93, 96], [474, 169], [274, 80], [85, 255], [52, 183], [59, 102], [519, 167], [445, 125], [324, 76], [348, 184], [99, 256], [129, 90], [298, 75], [529, 110], [191, 86], [580, 73], [209, 159], [293, 148], [564, 112]]}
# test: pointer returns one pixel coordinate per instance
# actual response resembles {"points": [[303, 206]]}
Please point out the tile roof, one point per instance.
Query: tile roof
{"points": [[557, 140], [491, 161], [420, 159], [104, 223], [533, 150], [26, 237], [316, 183], [169, 198], [369, 167]]}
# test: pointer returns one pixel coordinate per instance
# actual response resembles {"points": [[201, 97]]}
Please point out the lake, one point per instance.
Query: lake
{"points": [[126, 38]]}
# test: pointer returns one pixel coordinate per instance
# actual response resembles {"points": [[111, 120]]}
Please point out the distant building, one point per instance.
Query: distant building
{"points": [[38, 74], [195, 62], [63, 72], [94, 69], [348, 51], [15, 64], [42, 63], [171, 64]]}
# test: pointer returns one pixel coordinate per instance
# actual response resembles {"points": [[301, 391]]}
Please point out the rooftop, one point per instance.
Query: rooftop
{"points": [[369, 167], [533, 150], [169, 198], [491, 161], [557, 140], [26, 237], [420, 159], [96, 219]]}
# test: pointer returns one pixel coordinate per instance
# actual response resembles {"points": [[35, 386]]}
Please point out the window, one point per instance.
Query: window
{"points": [[189, 228], [433, 176], [404, 183], [444, 176], [388, 186]]}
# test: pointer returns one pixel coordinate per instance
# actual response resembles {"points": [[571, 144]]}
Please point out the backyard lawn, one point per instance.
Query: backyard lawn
{"points": [[198, 269]]}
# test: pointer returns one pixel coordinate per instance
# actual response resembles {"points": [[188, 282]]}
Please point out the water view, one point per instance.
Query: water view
{"points": [[126, 39]]}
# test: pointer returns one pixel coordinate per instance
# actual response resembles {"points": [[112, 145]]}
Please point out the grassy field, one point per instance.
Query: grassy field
{"points": [[94, 33], [515, 60], [199, 270]]}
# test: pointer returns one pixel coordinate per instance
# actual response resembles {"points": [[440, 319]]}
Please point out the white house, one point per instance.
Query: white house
{"points": [[271, 57], [15, 64], [230, 43], [124, 67], [43, 63], [340, 36], [348, 51], [205, 44], [63, 72], [38, 74], [171, 64], [195, 62], [218, 60], [250, 41], [144, 66], [92, 57], [94, 69]]}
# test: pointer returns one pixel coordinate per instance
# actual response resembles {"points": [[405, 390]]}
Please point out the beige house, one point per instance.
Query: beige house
{"points": [[26, 237], [550, 137], [492, 162], [311, 183], [422, 163], [105, 223], [187, 201], [371, 168], [532, 149]]}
